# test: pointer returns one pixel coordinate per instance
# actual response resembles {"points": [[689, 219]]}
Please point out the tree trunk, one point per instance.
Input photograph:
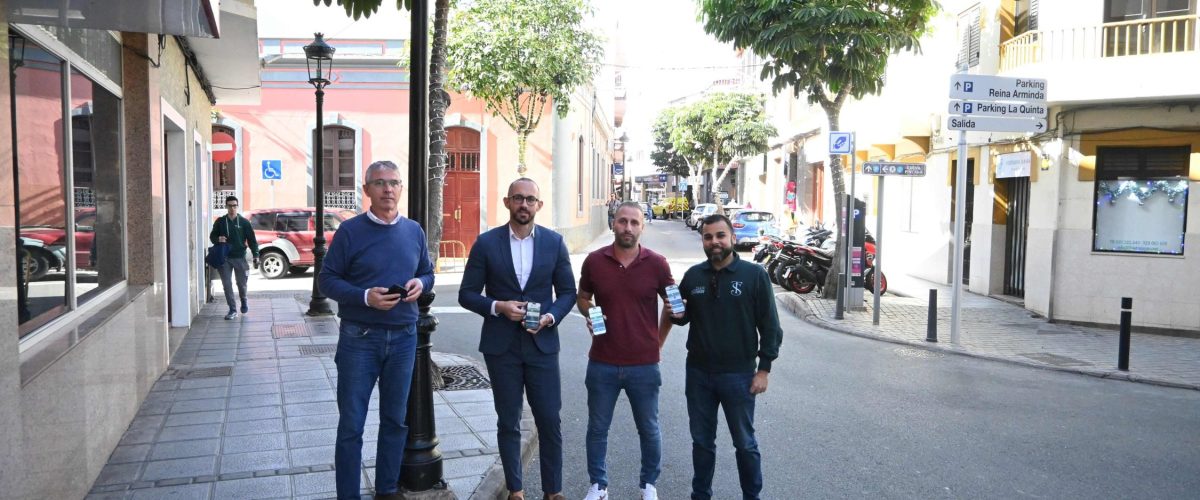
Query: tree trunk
{"points": [[522, 140], [832, 112], [439, 101]]}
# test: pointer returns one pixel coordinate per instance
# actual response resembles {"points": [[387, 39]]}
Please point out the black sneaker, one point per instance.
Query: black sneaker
{"points": [[232, 314], [245, 308]]}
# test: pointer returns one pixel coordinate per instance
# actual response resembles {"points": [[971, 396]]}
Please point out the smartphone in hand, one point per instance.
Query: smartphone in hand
{"points": [[398, 289]]}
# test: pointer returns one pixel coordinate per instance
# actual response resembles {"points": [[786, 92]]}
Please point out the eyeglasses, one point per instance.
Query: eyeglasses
{"points": [[380, 183], [231, 205], [518, 199]]}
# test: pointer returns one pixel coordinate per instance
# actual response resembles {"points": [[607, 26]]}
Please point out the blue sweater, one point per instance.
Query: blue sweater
{"points": [[367, 254]]}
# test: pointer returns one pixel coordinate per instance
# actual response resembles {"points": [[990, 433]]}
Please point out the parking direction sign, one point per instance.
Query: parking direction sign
{"points": [[997, 88], [992, 124], [272, 170], [1002, 109], [894, 168], [841, 143]]}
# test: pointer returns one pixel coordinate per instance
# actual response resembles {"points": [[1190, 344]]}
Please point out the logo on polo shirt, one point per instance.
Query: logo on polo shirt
{"points": [[698, 290], [735, 288]]}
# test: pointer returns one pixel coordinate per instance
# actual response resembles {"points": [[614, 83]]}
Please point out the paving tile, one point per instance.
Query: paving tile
{"points": [[139, 436], [315, 483], [309, 396], [306, 385], [454, 442], [183, 492], [251, 389], [312, 422], [308, 409], [472, 396], [121, 473], [199, 405], [320, 455], [253, 400], [307, 439], [201, 393], [129, 454], [254, 461], [180, 467], [475, 409], [204, 382], [255, 442], [185, 449], [249, 427], [303, 375], [189, 432], [255, 413], [193, 418], [463, 487], [253, 488], [467, 467]]}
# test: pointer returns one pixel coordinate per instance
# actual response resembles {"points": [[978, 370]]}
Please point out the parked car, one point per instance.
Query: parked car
{"points": [[285, 237], [749, 225], [702, 210], [45, 247]]}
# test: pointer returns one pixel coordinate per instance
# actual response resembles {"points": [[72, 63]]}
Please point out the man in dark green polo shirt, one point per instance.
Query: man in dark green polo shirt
{"points": [[733, 338], [235, 230]]}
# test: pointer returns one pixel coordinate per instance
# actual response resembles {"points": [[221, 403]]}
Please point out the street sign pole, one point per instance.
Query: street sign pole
{"points": [[960, 218], [878, 250]]}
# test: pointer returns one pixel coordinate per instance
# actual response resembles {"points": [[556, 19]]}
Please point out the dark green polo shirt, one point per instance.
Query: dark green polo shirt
{"points": [[732, 316]]}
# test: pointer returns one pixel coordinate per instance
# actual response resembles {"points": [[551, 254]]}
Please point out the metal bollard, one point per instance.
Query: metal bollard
{"points": [[1126, 320], [931, 321], [839, 309]]}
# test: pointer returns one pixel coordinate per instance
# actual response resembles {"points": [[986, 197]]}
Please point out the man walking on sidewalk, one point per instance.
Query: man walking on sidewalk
{"points": [[731, 308], [235, 231], [376, 269], [522, 266], [627, 281]]}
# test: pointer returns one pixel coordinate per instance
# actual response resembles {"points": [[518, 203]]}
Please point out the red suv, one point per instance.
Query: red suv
{"points": [[285, 237]]}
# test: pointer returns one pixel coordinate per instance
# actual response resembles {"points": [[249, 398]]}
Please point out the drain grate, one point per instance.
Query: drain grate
{"points": [[211, 372], [289, 330], [1054, 359], [318, 350], [463, 377]]}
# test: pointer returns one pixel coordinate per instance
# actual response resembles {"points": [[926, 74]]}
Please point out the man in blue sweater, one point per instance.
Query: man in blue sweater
{"points": [[373, 252]]}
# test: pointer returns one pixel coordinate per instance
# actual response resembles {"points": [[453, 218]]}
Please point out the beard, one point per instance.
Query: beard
{"points": [[522, 216], [627, 240], [718, 254]]}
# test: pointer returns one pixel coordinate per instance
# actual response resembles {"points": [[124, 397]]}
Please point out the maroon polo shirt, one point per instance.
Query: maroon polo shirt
{"points": [[629, 297]]}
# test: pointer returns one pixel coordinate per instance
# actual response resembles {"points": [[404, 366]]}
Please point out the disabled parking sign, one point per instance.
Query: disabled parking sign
{"points": [[272, 170]]}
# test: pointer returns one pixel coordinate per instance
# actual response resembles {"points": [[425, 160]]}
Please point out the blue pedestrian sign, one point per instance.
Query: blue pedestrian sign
{"points": [[272, 170], [841, 143]]}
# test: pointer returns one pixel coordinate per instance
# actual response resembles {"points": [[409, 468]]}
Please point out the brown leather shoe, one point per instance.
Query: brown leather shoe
{"points": [[556, 496], [516, 495]]}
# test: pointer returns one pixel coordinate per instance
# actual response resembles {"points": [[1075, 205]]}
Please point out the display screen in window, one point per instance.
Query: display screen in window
{"points": [[1141, 215]]}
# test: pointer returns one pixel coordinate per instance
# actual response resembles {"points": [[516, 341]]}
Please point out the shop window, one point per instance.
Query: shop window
{"points": [[1141, 200], [69, 214]]}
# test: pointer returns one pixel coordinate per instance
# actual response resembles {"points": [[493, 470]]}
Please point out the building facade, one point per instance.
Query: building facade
{"points": [[106, 139]]}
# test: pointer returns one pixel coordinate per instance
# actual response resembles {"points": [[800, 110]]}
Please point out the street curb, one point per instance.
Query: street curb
{"points": [[798, 308]]}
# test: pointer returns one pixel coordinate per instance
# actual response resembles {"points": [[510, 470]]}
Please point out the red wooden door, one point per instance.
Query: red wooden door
{"points": [[460, 195]]}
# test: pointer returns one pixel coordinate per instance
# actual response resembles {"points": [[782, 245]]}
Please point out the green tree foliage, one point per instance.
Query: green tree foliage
{"points": [[829, 50], [664, 156], [363, 8], [518, 55], [716, 130]]}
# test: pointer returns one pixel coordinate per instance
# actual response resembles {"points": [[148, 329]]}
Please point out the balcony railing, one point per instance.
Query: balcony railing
{"points": [[341, 199], [1162, 35]]}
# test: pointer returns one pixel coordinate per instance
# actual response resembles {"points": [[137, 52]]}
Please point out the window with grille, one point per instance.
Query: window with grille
{"points": [[338, 158], [462, 149]]}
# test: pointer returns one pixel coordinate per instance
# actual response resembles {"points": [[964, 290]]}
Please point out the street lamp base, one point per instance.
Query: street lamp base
{"points": [[319, 306], [441, 491]]}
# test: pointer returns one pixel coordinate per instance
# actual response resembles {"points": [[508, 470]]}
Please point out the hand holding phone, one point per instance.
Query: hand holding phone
{"points": [[397, 289]]}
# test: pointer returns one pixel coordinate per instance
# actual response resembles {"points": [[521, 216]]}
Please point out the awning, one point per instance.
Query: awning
{"points": [[168, 17]]}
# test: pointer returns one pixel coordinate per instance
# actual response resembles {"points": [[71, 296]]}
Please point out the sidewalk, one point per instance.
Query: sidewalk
{"points": [[247, 409], [994, 329]]}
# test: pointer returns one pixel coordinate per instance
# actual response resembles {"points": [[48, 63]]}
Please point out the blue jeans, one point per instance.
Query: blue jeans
{"points": [[705, 391], [365, 355], [604, 384]]}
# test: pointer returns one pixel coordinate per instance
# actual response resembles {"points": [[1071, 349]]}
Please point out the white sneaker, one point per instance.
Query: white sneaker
{"points": [[649, 493], [595, 493]]}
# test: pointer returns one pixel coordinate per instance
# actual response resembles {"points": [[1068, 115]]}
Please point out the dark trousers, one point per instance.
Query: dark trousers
{"points": [[525, 368], [731, 391]]}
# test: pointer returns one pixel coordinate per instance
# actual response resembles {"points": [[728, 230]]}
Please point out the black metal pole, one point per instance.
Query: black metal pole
{"points": [[931, 321], [421, 470], [1126, 321], [319, 305], [840, 308]]}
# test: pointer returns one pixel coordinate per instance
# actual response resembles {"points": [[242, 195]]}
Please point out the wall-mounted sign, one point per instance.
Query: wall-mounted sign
{"points": [[1014, 164]]}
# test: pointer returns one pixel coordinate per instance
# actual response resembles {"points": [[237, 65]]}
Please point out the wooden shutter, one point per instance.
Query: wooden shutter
{"points": [[969, 23]]}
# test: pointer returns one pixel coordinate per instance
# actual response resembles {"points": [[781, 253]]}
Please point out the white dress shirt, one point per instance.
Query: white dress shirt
{"points": [[371, 215], [522, 259]]}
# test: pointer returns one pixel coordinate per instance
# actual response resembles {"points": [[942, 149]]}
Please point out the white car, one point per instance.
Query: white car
{"points": [[702, 210]]}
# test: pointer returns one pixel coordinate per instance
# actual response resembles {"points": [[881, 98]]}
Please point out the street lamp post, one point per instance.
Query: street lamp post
{"points": [[319, 58], [625, 166]]}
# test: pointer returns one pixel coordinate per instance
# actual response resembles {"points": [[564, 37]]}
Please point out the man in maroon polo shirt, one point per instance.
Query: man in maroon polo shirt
{"points": [[628, 282]]}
